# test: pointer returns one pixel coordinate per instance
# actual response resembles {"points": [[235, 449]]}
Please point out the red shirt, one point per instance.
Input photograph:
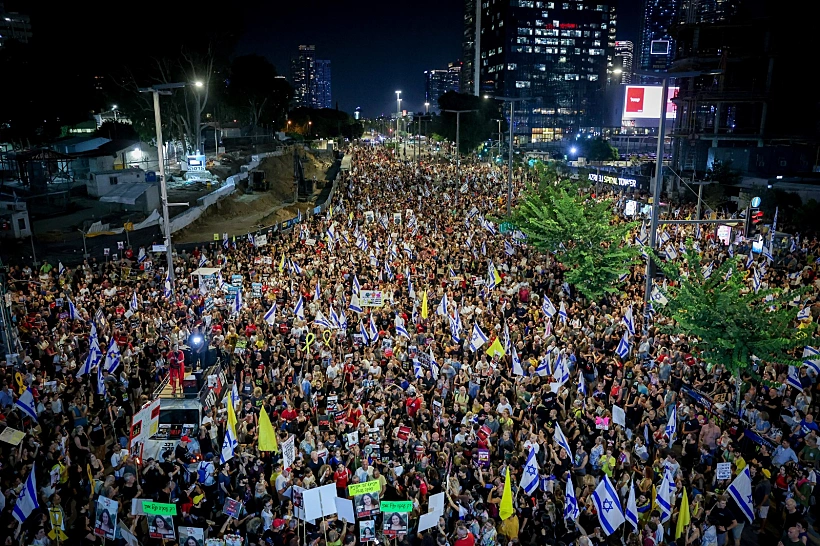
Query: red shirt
{"points": [[469, 540], [341, 478], [289, 414], [413, 406]]}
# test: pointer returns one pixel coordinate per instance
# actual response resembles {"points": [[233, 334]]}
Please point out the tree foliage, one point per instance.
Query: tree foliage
{"points": [[475, 128], [729, 320], [598, 150], [255, 92], [580, 231], [325, 123]]}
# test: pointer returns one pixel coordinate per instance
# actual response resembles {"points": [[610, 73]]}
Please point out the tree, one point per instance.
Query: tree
{"points": [[730, 322], [256, 92], [475, 127], [117, 130], [324, 123], [582, 233], [598, 150]]}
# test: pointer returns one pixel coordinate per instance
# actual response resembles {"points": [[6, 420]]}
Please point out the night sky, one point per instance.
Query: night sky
{"points": [[375, 48]]}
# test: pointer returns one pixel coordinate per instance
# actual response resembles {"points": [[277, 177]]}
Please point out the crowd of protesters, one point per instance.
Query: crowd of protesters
{"points": [[432, 415]]}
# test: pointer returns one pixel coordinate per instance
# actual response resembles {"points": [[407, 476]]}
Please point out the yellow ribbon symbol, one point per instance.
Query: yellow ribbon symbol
{"points": [[326, 335], [19, 378], [309, 341]]}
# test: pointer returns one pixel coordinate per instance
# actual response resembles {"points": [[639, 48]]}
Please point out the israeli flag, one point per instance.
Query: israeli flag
{"points": [[629, 321], [343, 320], [767, 253], [355, 304], [811, 358], [442, 307], [417, 371], [516, 362], [73, 314], [374, 331], [134, 303], [672, 425], [322, 321], [529, 478], [401, 330], [26, 404], [317, 294], [631, 514], [27, 499], [167, 292], [571, 510], [270, 316], [582, 385], [455, 328], [741, 491], [728, 275], [294, 268], [731, 250], [608, 506], [707, 270], [483, 248], [664, 498], [112, 356], [548, 308], [562, 313], [60, 269], [202, 260], [299, 310], [623, 346], [477, 338], [544, 367], [561, 440], [804, 314], [508, 249], [622, 277], [750, 259], [229, 444], [356, 286], [363, 332], [334, 318], [237, 302], [561, 370], [507, 341], [793, 378], [756, 281], [93, 358], [414, 315]]}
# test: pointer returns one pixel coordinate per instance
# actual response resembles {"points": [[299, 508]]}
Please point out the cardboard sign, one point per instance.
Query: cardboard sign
{"points": [[724, 471], [159, 508], [372, 486], [397, 506], [105, 522], [12, 436], [371, 298], [232, 508]]}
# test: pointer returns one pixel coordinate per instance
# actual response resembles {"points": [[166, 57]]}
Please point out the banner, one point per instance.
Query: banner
{"points": [[191, 536], [395, 523], [396, 506], [159, 508], [367, 530], [366, 498], [105, 522], [288, 453], [371, 298], [161, 527], [372, 486]]}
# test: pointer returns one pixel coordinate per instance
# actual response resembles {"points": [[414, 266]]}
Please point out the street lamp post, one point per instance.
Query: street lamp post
{"points": [[426, 108], [157, 90], [458, 136], [398, 119], [198, 125], [512, 102]]}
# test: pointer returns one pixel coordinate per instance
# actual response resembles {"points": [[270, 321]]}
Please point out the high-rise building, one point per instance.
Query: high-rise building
{"points": [[321, 84], [438, 82], [657, 43], [310, 78], [623, 61], [471, 45], [302, 74], [14, 26], [554, 54]]}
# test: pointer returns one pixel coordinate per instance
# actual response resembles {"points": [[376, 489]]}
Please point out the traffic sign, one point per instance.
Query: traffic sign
{"points": [[755, 202]]}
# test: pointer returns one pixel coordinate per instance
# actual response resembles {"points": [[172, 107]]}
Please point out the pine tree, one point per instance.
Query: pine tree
{"points": [[582, 233]]}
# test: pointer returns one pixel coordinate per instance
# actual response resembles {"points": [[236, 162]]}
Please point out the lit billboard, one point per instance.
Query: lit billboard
{"points": [[644, 102]]}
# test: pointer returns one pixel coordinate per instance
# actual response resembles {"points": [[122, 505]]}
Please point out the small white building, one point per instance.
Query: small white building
{"points": [[14, 221], [102, 183], [142, 198]]}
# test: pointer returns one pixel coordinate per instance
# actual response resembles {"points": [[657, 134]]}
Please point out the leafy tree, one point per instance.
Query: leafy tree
{"points": [[598, 150], [117, 130], [256, 93], [476, 127], [730, 322], [581, 232], [723, 173], [324, 123]]}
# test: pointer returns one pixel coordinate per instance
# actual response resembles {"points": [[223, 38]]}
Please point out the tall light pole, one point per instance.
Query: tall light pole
{"points": [[656, 181], [197, 86], [398, 118], [512, 102], [458, 136], [157, 90], [426, 108]]}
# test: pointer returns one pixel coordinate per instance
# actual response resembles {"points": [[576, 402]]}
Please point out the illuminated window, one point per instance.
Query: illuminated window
{"points": [[522, 85], [511, 66], [541, 67], [596, 51], [593, 77], [570, 77]]}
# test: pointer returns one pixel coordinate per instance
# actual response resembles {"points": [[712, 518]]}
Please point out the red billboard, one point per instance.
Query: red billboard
{"points": [[644, 102]]}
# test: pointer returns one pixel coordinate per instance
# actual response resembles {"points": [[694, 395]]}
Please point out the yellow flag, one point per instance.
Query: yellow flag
{"points": [[496, 349], [267, 437], [282, 263], [350, 216], [683, 515], [654, 497], [331, 210], [505, 510], [231, 414], [424, 311], [496, 276]]}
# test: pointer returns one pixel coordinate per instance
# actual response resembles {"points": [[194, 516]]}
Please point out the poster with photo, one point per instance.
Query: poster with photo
{"points": [[105, 521], [161, 527], [365, 498], [191, 536], [232, 508], [233, 540], [393, 524], [367, 530]]}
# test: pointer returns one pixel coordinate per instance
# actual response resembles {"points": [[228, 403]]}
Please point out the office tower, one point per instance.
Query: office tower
{"points": [[438, 82], [657, 43], [471, 45], [556, 55], [321, 83], [623, 61], [14, 26], [302, 74]]}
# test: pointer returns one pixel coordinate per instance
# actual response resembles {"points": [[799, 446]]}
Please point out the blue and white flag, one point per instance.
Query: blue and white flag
{"points": [[270, 316], [731, 250], [363, 332], [507, 341], [317, 294], [73, 313], [299, 310], [544, 367], [548, 308], [804, 314], [756, 281], [728, 275], [672, 425], [134, 303], [26, 404], [477, 338], [622, 350], [374, 331], [508, 249], [741, 491], [334, 318], [622, 277], [750, 259], [401, 330], [529, 478], [167, 292], [571, 510], [229, 444], [483, 248], [608, 506], [767, 253], [561, 440], [27, 499], [631, 514], [225, 241], [294, 268], [562, 313], [356, 286], [793, 378], [112, 356], [664, 498], [516, 363], [629, 321], [355, 304], [60, 269], [811, 358], [442, 307], [237, 302], [322, 321], [202, 260], [582, 385]]}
